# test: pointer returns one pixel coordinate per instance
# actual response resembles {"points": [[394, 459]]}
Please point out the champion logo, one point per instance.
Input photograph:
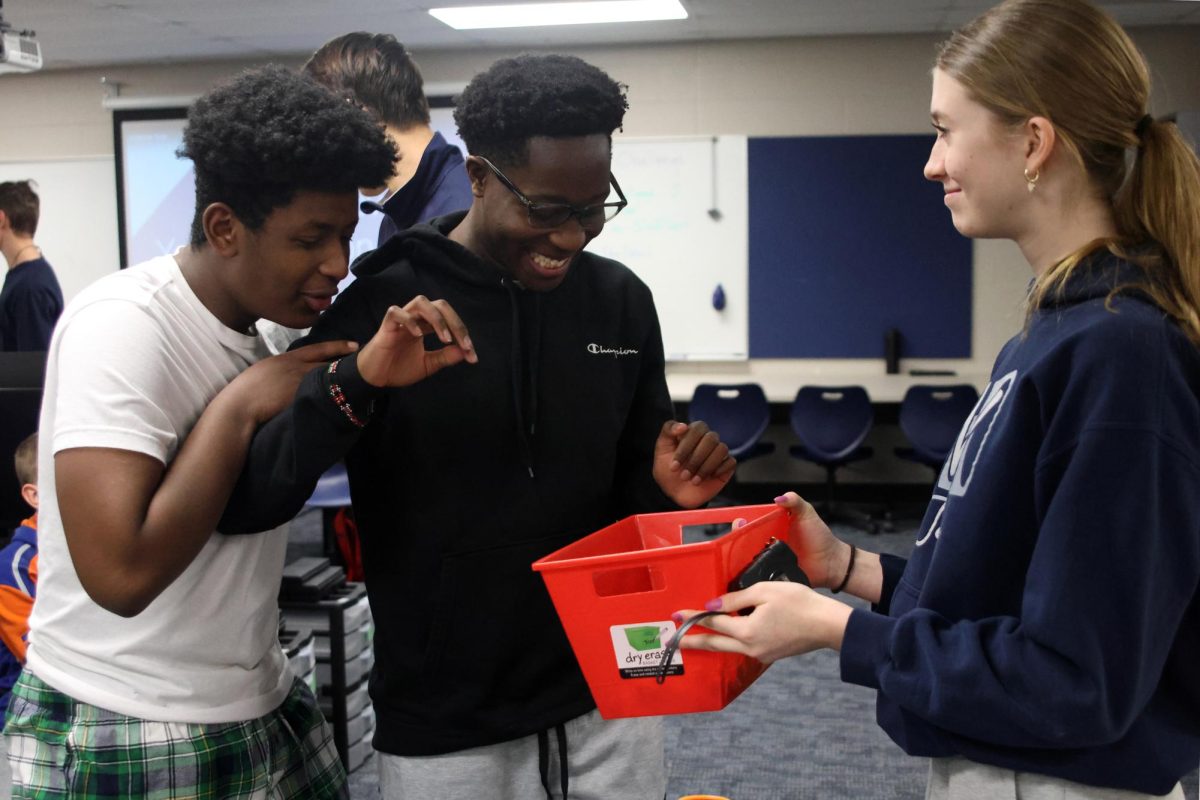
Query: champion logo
{"points": [[615, 352]]}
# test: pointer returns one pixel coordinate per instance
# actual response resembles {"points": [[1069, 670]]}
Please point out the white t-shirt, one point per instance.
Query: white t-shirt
{"points": [[133, 362]]}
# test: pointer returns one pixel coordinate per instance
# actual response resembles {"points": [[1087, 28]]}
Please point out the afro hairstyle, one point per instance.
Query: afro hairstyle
{"points": [[272, 132], [519, 98]]}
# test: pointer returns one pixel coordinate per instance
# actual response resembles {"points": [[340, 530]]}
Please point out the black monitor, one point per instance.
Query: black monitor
{"points": [[21, 377]]}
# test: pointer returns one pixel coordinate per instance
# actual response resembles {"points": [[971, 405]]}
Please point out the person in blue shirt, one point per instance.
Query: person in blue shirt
{"points": [[1044, 636], [377, 72], [31, 300]]}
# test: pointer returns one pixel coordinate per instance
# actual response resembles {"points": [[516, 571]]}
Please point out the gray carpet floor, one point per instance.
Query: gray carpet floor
{"points": [[797, 733]]}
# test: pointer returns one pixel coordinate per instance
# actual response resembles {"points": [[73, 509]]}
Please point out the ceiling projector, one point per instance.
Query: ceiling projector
{"points": [[19, 50]]}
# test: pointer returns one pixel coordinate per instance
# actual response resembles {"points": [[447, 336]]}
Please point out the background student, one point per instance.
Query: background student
{"points": [[1042, 640], [18, 588], [154, 666], [378, 73], [461, 482], [30, 300]]}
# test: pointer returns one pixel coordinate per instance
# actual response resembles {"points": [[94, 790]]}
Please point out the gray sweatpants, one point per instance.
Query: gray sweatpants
{"points": [[605, 759], [960, 779]]}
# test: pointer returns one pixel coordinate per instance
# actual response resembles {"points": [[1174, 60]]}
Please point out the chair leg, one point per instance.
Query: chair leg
{"points": [[836, 512]]}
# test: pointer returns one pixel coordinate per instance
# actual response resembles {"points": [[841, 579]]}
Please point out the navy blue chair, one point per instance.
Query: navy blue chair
{"points": [[931, 417], [739, 413], [831, 423]]}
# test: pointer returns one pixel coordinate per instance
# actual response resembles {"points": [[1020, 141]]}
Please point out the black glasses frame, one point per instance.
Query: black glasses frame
{"points": [[546, 215]]}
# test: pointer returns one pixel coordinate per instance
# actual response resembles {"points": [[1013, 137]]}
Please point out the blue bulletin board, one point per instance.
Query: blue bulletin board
{"points": [[846, 240]]}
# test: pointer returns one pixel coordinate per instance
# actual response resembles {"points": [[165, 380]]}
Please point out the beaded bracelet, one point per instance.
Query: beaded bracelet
{"points": [[849, 568], [339, 398]]}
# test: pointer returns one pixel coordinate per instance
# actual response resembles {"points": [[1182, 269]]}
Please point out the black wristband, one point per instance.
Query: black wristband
{"points": [[849, 569]]}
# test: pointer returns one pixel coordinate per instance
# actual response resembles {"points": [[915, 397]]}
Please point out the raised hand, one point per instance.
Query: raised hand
{"points": [[691, 464], [396, 354]]}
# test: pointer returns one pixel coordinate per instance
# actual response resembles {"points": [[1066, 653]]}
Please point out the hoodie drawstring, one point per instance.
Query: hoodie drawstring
{"points": [[535, 359], [560, 733], [518, 376]]}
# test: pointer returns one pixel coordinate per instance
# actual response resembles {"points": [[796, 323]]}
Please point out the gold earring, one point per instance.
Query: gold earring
{"points": [[1031, 180]]}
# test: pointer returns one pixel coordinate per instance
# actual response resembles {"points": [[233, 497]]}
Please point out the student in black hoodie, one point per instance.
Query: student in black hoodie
{"points": [[1043, 638], [461, 482]]}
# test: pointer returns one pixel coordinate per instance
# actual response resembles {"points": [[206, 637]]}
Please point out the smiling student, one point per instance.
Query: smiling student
{"points": [[461, 482], [1043, 638], [154, 667]]}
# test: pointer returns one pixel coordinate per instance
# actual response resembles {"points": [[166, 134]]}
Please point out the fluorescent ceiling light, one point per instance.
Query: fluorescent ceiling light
{"points": [[524, 15]]}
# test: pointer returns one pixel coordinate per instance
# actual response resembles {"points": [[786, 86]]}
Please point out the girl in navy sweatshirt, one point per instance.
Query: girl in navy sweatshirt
{"points": [[1045, 633]]}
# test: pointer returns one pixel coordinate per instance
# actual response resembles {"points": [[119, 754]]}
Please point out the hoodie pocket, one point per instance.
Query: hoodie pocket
{"points": [[496, 640]]}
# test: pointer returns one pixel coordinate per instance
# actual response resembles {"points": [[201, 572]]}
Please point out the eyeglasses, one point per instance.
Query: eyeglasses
{"points": [[551, 215]]}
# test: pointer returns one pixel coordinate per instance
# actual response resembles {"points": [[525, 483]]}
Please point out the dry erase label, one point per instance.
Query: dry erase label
{"points": [[639, 649]]}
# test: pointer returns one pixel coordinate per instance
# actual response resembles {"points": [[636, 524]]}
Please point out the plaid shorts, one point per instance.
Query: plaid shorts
{"points": [[60, 748]]}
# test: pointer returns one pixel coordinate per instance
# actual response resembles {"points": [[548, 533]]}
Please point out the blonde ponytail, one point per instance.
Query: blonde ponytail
{"points": [[1160, 203]]}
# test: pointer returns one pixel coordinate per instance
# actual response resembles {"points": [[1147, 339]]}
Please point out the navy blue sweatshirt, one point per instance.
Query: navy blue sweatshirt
{"points": [[1047, 620], [30, 304], [460, 482], [439, 186]]}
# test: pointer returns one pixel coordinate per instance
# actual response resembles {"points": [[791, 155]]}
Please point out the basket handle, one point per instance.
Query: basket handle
{"points": [[627, 580]]}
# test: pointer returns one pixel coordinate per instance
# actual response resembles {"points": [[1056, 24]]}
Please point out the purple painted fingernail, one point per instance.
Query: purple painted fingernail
{"points": [[677, 617], [781, 498], [713, 605]]}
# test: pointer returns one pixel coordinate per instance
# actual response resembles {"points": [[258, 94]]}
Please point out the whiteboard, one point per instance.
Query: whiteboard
{"points": [[77, 228], [668, 237]]}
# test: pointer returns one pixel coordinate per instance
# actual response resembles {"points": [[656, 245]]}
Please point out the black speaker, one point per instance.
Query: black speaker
{"points": [[891, 350]]}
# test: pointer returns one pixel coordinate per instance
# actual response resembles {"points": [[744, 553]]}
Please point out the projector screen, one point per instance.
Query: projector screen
{"points": [[156, 190]]}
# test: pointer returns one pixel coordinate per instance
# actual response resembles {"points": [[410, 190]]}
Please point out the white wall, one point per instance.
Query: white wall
{"points": [[842, 85]]}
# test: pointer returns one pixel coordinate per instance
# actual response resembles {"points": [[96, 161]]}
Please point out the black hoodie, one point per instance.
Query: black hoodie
{"points": [[461, 481]]}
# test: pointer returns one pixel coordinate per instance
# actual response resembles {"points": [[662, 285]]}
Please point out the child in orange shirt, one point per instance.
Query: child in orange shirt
{"points": [[18, 575], [18, 587]]}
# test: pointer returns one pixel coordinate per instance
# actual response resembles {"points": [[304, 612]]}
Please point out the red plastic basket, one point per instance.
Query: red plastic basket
{"points": [[615, 591]]}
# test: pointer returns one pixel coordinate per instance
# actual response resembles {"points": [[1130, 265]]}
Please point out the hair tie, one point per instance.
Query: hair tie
{"points": [[1142, 125]]}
